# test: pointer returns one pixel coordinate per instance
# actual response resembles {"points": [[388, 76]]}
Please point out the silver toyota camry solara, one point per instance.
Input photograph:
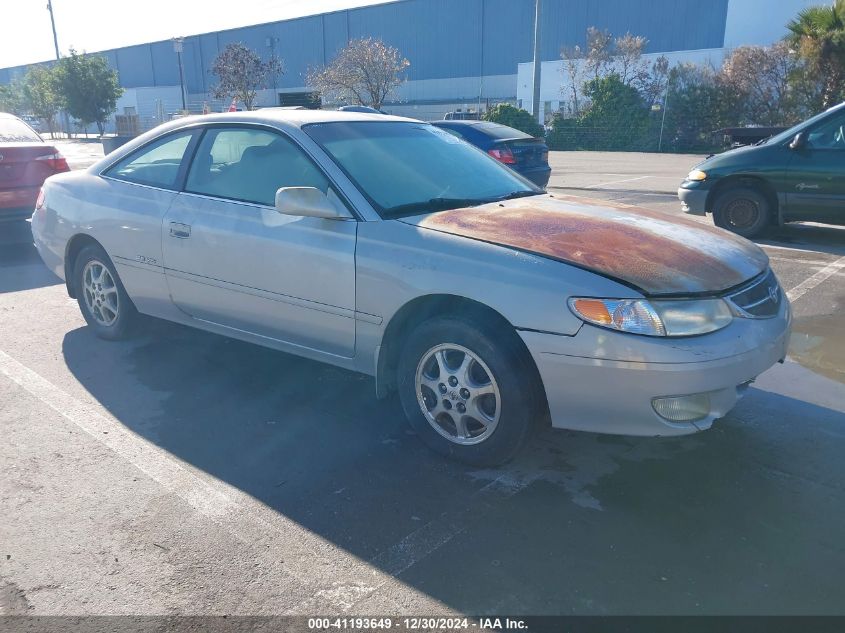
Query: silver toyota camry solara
{"points": [[388, 246]]}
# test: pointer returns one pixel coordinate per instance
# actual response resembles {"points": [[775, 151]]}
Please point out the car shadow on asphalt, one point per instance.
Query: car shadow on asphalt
{"points": [[819, 238], [722, 522], [17, 251]]}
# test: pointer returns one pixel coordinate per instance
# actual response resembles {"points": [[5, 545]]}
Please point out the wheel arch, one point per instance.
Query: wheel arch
{"points": [[72, 250], [745, 180], [422, 308]]}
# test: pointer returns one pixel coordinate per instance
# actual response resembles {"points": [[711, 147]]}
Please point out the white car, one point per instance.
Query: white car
{"points": [[390, 247]]}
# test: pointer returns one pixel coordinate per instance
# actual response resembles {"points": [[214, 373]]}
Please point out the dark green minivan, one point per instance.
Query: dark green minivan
{"points": [[797, 175]]}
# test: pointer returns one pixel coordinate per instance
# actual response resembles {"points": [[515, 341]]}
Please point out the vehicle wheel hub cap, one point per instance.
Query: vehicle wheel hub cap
{"points": [[458, 394], [100, 293], [742, 213]]}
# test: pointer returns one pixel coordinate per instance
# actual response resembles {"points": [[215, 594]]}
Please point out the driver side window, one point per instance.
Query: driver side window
{"points": [[249, 165], [829, 135]]}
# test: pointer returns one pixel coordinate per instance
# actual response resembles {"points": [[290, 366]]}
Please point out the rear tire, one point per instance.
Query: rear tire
{"points": [[742, 210], [107, 308], [467, 390]]}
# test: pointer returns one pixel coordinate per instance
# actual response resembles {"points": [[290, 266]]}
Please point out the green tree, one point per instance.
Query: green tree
{"points": [[514, 117], [88, 87], [41, 94], [241, 73], [617, 118], [818, 34], [698, 104], [564, 133], [11, 97]]}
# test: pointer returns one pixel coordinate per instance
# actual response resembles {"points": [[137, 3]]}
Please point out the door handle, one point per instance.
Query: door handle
{"points": [[177, 229]]}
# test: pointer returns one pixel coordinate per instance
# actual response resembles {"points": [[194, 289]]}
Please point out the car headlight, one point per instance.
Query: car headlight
{"points": [[654, 318], [697, 175]]}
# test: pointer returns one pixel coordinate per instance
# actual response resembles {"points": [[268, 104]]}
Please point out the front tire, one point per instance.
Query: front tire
{"points": [[107, 308], [468, 391], [742, 210]]}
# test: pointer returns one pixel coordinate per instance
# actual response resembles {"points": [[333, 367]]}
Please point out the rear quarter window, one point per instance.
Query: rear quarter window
{"points": [[156, 164]]}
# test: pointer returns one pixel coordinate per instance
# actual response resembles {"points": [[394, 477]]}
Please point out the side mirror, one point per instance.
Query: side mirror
{"points": [[309, 202], [799, 141]]}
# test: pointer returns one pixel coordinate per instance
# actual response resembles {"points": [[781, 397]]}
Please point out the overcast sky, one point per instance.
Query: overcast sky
{"points": [[93, 25]]}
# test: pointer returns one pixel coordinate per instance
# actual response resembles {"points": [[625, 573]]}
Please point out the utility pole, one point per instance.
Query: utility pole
{"points": [[53, 23], [535, 102]]}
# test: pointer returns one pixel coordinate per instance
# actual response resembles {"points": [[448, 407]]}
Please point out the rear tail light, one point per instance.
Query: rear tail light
{"points": [[55, 161], [39, 201], [545, 156], [503, 155]]}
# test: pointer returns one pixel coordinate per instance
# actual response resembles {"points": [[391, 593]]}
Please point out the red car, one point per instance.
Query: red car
{"points": [[26, 161]]}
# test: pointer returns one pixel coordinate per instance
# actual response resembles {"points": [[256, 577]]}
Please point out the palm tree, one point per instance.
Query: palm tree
{"points": [[818, 35]]}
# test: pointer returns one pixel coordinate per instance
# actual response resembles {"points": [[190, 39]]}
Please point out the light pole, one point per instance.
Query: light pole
{"points": [[663, 117], [53, 24], [535, 103], [178, 47], [58, 57]]}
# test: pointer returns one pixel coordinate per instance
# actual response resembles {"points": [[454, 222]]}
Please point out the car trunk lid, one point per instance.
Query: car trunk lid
{"points": [[28, 164], [526, 152]]}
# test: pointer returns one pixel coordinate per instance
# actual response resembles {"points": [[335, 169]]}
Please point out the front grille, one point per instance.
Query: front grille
{"points": [[760, 299]]}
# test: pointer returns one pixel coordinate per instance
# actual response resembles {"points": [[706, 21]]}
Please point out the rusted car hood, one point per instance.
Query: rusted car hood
{"points": [[654, 252]]}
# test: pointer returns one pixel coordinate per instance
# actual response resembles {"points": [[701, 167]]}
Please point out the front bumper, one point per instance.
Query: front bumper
{"points": [[610, 395], [693, 201]]}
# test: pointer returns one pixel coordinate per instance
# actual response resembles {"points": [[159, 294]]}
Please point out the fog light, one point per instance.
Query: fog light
{"points": [[682, 408]]}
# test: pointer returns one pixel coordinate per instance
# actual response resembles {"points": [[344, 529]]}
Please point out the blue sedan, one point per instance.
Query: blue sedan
{"points": [[522, 152]]}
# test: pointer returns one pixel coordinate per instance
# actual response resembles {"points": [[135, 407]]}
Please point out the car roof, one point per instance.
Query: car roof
{"points": [[8, 115], [281, 118], [294, 118]]}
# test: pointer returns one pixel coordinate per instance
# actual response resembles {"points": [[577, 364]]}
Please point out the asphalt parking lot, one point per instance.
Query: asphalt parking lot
{"points": [[181, 472]]}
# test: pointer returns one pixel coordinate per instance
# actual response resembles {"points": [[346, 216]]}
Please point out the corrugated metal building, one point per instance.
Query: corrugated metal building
{"points": [[462, 52]]}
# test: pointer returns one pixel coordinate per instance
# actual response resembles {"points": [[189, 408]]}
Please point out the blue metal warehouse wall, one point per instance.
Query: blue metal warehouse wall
{"points": [[441, 38]]}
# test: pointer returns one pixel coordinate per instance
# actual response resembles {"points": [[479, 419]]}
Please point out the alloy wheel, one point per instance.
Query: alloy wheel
{"points": [[458, 394], [100, 292]]}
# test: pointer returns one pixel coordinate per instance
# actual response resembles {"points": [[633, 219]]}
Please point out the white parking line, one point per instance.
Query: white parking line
{"points": [[811, 282], [615, 182], [335, 578], [799, 260], [797, 249], [302, 558]]}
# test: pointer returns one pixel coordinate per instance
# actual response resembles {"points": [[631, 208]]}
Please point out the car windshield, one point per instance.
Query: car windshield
{"points": [[788, 135], [406, 168], [15, 131]]}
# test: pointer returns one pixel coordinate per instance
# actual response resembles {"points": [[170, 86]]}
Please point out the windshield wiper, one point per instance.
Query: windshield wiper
{"points": [[517, 194], [434, 204], [444, 204]]}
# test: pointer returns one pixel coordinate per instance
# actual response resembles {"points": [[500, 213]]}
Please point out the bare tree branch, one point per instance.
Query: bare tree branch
{"points": [[242, 72], [366, 72]]}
